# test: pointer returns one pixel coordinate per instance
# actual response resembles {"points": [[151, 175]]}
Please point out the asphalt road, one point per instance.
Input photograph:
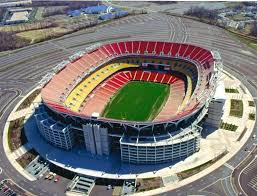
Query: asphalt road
{"points": [[20, 70]]}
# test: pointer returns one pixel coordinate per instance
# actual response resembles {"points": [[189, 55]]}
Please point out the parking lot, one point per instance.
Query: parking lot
{"points": [[53, 178], [8, 188]]}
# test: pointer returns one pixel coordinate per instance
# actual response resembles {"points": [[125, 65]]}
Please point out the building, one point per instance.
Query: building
{"points": [[14, 3], [78, 90], [17, 15], [216, 107]]}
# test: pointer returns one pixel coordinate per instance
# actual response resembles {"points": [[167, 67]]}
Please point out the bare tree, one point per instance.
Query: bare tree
{"points": [[249, 3], [50, 11], [9, 41], [2, 11], [201, 12], [253, 30]]}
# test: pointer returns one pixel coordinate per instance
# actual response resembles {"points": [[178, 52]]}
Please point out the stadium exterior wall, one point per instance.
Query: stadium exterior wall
{"points": [[168, 150], [162, 147]]}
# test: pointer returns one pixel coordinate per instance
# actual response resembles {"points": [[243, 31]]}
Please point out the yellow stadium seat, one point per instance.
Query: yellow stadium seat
{"points": [[84, 88]]}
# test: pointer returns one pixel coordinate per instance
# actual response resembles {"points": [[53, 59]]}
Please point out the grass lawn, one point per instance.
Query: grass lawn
{"points": [[26, 158], [27, 102], [190, 172], [251, 116], [247, 28], [148, 184], [236, 108], [41, 34], [16, 135], [137, 101], [229, 127], [251, 103], [238, 17], [231, 90]]}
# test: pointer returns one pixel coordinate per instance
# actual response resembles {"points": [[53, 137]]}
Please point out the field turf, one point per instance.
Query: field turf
{"points": [[138, 101]]}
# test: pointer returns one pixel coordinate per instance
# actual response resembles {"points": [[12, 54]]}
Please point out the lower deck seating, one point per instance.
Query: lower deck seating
{"points": [[176, 97], [100, 96], [150, 76]]}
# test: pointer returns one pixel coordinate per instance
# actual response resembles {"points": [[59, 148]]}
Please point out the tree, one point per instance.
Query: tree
{"points": [[2, 11], [201, 12], [249, 3], [238, 7], [9, 41], [253, 30]]}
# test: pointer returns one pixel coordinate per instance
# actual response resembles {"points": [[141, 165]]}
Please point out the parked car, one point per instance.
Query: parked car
{"points": [[5, 189], [1, 186], [57, 179], [47, 176], [50, 177]]}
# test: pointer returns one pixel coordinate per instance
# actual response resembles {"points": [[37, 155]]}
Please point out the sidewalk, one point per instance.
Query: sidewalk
{"points": [[12, 156]]}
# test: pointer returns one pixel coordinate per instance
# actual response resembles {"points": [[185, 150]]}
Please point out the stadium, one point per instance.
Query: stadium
{"points": [[143, 100]]}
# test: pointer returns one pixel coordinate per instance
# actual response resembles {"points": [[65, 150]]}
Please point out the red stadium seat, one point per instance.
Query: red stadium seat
{"points": [[195, 52], [159, 77], [136, 47], [129, 46], [189, 51], [122, 47], [116, 49], [105, 52], [167, 48], [159, 48], [151, 47], [166, 78], [109, 49], [152, 77], [174, 49], [143, 46], [138, 75], [199, 54], [182, 49], [145, 76]]}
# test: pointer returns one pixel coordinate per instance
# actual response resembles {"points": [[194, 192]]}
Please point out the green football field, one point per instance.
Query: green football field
{"points": [[138, 101]]}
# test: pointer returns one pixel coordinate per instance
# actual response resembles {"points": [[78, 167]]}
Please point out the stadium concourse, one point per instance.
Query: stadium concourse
{"points": [[28, 65]]}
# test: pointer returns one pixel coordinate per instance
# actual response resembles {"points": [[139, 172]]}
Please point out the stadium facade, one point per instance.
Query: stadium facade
{"points": [[76, 92]]}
